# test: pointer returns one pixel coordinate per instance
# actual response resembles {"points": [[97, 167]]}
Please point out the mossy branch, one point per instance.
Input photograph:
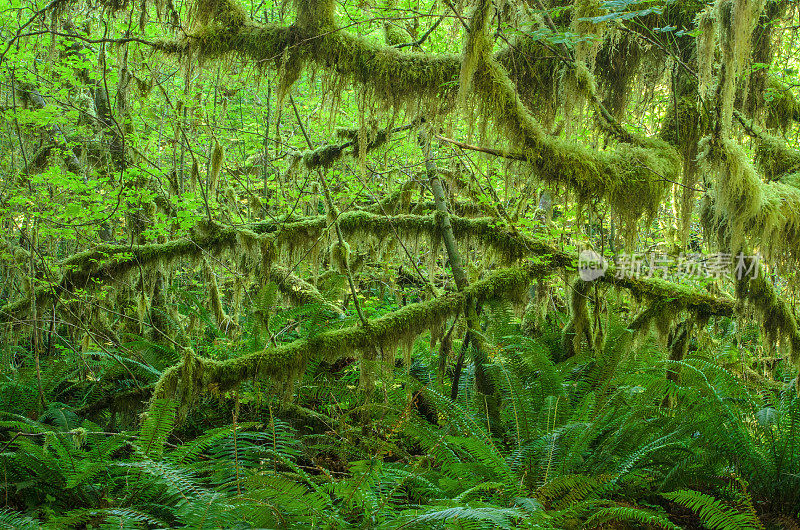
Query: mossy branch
{"points": [[195, 375], [631, 177], [108, 264], [773, 155]]}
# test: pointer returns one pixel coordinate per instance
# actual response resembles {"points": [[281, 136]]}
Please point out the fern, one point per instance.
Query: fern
{"points": [[628, 515], [475, 516], [715, 514], [14, 521], [157, 425]]}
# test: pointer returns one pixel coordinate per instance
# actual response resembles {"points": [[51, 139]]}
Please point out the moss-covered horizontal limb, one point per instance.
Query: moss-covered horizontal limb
{"points": [[631, 177], [679, 296], [742, 207], [196, 374], [778, 319], [774, 156], [107, 263]]}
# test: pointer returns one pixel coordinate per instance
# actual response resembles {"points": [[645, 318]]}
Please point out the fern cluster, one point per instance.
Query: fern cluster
{"points": [[590, 442]]}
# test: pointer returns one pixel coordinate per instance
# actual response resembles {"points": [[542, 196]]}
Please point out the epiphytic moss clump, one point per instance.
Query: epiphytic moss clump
{"points": [[613, 174], [774, 157], [340, 256], [735, 21], [617, 64], [782, 107], [194, 374], [216, 167], [778, 320], [768, 212], [579, 327]]}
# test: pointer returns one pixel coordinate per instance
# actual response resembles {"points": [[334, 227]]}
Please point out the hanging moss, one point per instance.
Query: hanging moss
{"points": [[774, 157], [678, 345], [299, 291], [194, 375], [394, 34], [735, 22], [613, 174], [109, 264], [762, 53], [216, 166], [317, 15], [679, 295], [578, 327], [401, 80], [782, 107], [683, 126], [583, 11], [535, 71], [706, 48], [224, 322], [226, 13], [397, 202], [617, 64], [776, 314], [340, 256], [768, 212]]}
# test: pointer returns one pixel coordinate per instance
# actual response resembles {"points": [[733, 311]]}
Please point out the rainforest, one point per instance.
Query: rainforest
{"points": [[399, 264]]}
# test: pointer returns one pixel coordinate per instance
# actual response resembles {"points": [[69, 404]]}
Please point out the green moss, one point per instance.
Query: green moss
{"points": [[774, 157], [216, 166], [777, 317], [706, 47], [340, 256], [617, 64], [612, 174], [742, 204], [781, 105], [194, 375], [678, 345], [227, 13], [735, 21], [578, 328], [414, 80], [394, 34], [679, 296], [683, 126], [322, 157], [316, 15]]}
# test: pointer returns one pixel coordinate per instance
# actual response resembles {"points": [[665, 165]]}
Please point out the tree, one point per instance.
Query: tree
{"points": [[177, 175]]}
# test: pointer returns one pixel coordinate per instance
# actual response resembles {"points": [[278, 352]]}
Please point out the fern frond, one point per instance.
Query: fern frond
{"points": [[156, 428], [715, 514], [625, 514], [14, 521]]}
